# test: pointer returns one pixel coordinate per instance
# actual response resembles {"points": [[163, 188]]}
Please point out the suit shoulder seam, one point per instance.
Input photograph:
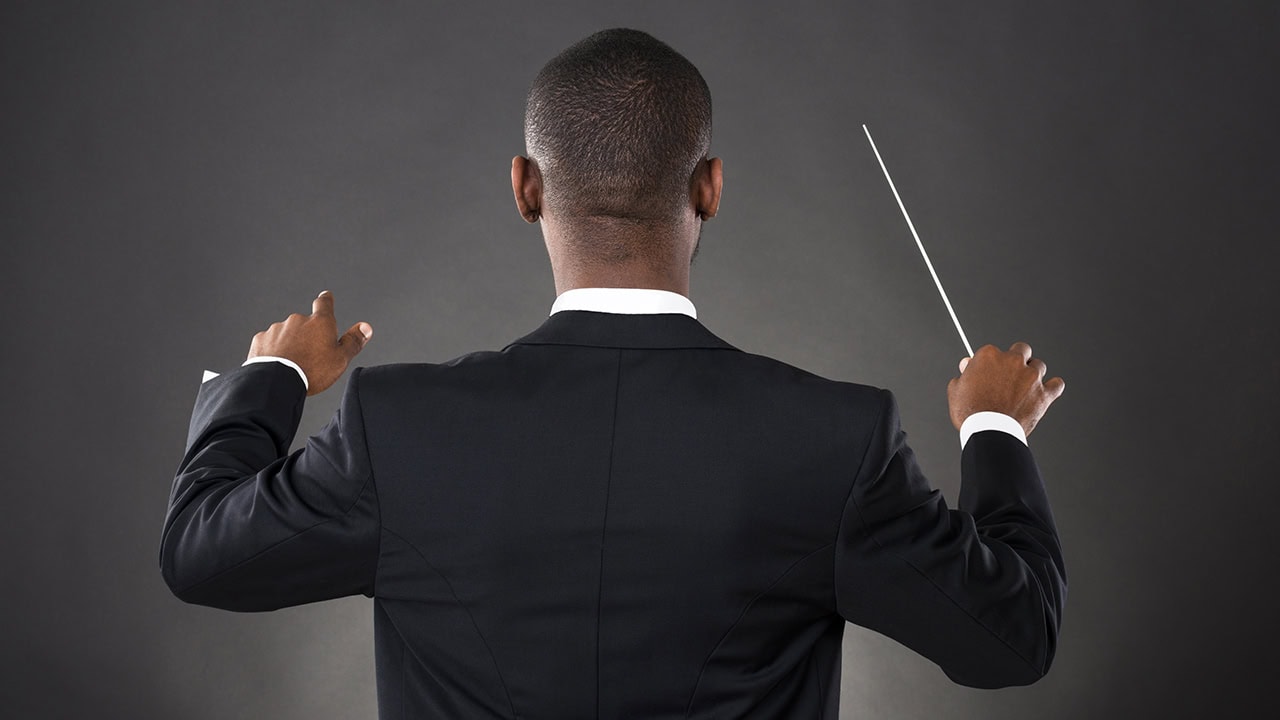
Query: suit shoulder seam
{"points": [[369, 481], [866, 530], [848, 498]]}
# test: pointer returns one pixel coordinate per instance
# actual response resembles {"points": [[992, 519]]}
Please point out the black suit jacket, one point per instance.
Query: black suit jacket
{"points": [[616, 516]]}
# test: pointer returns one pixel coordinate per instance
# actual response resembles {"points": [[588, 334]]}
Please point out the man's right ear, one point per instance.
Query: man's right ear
{"points": [[526, 183]]}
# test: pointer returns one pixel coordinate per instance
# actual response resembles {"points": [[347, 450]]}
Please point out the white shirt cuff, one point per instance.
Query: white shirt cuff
{"points": [[209, 374], [988, 420]]}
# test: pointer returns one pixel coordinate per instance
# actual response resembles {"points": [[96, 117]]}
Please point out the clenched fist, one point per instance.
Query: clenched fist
{"points": [[313, 343], [1009, 382]]}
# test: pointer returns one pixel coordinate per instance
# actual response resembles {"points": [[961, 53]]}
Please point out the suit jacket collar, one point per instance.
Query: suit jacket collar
{"points": [[602, 329]]}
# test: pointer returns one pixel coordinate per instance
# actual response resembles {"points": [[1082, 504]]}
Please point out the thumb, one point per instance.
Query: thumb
{"points": [[354, 340]]}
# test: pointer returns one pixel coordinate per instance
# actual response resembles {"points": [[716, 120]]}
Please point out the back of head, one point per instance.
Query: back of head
{"points": [[617, 124]]}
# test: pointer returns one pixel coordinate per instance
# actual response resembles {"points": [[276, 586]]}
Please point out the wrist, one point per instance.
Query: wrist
{"points": [[988, 420], [286, 361]]}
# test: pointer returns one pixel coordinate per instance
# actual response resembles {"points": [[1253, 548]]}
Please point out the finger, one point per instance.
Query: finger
{"points": [[1022, 349], [323, 304], [1054, 388], [964, 363], [354, 340], [1038, 365]]}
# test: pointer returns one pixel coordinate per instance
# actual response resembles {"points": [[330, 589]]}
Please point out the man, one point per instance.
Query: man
{"points": [[618, 515]]}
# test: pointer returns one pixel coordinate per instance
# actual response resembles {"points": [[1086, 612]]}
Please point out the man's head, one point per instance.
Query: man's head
{"points": [[617, 123], [617, 129]]}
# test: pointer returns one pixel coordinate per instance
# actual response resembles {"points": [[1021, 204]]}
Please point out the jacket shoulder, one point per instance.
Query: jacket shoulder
{"points": [[765, 374], [391, 372], [799, 379]]}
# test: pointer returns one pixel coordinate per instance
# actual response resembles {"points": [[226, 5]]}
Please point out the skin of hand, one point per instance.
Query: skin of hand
{"points": [[1009, 382], [313, 343]]}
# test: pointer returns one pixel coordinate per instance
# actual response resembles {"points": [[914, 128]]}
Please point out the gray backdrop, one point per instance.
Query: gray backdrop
{"points": [[1097, 178]]}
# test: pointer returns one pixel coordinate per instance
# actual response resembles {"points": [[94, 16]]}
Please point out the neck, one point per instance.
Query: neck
{"points": [[569, 276], [619, 255]]}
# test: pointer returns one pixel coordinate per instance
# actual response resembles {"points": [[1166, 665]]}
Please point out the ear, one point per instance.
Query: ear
{"points": [[708, 180], [526, 183]]}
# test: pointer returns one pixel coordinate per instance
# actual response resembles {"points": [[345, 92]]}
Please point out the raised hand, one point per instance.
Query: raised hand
{"points": [[1009, 382], [313, 343]]}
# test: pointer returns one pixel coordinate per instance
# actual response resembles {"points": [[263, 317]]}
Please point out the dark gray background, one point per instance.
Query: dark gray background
{"points": [[1097, 178]]}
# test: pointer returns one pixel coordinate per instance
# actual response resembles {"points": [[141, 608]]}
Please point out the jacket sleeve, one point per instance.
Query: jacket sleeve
{"points": [[978, 590], [252, 528]]}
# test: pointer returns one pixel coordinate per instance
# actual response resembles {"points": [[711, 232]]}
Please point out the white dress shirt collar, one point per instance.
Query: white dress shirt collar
{"points": [[629, 301]]}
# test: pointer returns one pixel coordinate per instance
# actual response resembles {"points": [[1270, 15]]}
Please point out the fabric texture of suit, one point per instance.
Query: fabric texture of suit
{"points": [[616, 516]]}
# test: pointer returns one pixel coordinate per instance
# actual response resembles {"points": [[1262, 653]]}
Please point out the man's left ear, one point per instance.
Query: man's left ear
{"points": [[708, 180], [707, 183]]}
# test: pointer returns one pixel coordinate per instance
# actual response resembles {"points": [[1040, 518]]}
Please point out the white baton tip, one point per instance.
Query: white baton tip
{"points": [[914, 234]]}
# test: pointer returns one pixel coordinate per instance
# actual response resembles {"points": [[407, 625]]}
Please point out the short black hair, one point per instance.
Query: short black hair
{"points": [[617, 124]]}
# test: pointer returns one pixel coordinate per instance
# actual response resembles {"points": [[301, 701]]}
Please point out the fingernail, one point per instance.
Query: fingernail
{"points": [[367, 330], [323, 293]]}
